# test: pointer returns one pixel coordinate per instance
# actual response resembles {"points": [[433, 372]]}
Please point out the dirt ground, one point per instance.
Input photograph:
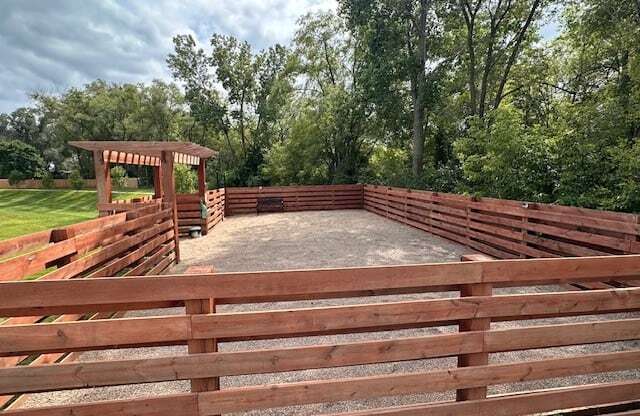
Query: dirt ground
{"points": [[319, 240], [315, 239]]}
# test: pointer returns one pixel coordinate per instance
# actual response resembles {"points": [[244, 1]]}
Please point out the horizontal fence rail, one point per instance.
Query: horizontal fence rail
{"points": [[135, 240], [202, 328], [509, 229]]}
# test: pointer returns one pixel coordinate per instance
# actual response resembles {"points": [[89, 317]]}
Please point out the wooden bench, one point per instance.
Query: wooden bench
{"points": [[270, 204]]}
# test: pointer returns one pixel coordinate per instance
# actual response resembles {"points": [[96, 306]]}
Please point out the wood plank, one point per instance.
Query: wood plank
{"points": [[95, 374], [20, 244], [518, 404], [152, 260], [167, 405], [291, 394], [87, 335], [385, 316], [21, 266], [119, 263], [18, 298]]}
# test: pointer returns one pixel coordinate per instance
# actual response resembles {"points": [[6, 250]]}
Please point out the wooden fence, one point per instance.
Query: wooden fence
{"points": [[201, 328], [136, 242], [189, 213], [295, 198], [131, 183], [509, 229]]}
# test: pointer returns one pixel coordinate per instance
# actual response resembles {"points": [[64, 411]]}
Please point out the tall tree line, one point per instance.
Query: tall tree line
{"points": [[451, 95]]}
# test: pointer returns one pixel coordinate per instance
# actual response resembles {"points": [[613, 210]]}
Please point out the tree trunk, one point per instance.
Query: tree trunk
{"points": [[418, 131], [418, 92]]}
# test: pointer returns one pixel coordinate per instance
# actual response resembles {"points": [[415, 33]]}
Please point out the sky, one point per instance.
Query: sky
{"points": [[52, 45]]}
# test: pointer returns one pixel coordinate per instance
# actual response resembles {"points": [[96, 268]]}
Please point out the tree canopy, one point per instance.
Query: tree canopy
{"points": [[450, 95]]}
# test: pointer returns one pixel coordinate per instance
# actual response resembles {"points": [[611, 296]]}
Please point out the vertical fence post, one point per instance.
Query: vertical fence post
{"points": [[199, 346], [525, 230], [467, 211], [478, 324]]}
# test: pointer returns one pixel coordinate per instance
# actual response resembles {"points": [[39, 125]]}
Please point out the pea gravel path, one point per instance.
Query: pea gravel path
{"points": [[319, 240]]}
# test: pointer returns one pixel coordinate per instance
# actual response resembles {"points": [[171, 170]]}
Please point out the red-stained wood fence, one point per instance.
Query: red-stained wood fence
{"points": [[509, 229], [189, 213], [295, 198], [137, 241], [203, 329]]}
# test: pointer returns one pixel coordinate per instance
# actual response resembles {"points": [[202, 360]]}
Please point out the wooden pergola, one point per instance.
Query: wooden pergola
{"points": [[160, 155]]}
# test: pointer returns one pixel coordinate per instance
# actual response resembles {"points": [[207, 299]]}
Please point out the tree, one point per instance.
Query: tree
{"points": [[401, 61], [327, 141], [495, 33], [102, 111], [254, 84], [16, 156]]}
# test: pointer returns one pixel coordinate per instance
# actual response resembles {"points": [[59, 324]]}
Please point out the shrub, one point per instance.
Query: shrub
{"points": [[75, 179], [15, 177], [186, 179], [47, 180], [118, 177]]}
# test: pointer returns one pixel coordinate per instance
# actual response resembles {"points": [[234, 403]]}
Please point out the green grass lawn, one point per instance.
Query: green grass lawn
{"points": [[24, 211]]}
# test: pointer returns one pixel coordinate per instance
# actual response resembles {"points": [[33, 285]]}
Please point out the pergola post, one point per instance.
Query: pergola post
{"points": [[157, 182], [169, 188], [103, 178], [202, 192]]}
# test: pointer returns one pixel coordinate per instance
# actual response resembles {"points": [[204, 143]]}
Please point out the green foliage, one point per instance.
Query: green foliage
{"points": [[104, 111], [47, 180], [389, 166], [15, 177], [458, 96], [249, 118], [76, 180], [118, 177], [506, 159], [186, 179], [16, 156], [298, 160]]}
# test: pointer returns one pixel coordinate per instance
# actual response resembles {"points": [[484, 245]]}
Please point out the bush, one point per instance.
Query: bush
{"points": [[186, 179], [118, 177], [47, 181], [20, 157], [15, 177], [75, 179]]}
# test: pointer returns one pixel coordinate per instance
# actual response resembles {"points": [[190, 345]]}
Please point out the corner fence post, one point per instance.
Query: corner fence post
{"points": [[477, 324]]}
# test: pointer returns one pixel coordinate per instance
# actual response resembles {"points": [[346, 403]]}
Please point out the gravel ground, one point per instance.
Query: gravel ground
{"points": [[314, 240]]}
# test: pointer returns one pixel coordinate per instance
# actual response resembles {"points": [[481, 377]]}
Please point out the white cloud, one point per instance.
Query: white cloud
{"points": [[56, 44]]}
